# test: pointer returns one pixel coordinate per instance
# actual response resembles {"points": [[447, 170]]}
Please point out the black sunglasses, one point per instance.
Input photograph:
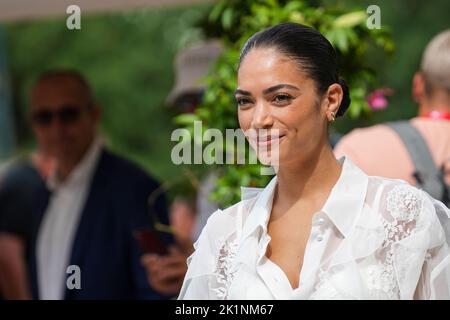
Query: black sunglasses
{"points": [[66, 115]]}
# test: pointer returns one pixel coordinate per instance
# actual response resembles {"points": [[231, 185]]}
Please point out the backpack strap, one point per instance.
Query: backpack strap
{"points": [[427, 174]]}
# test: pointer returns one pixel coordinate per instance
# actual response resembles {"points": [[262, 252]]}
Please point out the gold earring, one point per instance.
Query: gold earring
{"points": [[333, 116]]}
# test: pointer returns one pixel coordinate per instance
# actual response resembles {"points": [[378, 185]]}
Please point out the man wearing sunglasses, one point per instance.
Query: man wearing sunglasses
{"points": [[82, 243]]}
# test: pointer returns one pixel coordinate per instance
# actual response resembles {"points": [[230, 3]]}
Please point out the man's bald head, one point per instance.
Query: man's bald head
{"points": [[431, 85], [66, 80], [435, 65], [63, 114]]}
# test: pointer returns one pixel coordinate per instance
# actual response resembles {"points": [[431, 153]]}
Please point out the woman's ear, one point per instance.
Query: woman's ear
{"points": [[332, 100]]}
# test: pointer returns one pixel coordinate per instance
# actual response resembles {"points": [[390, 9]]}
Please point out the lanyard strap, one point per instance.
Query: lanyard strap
{"points": [[441, 115]]}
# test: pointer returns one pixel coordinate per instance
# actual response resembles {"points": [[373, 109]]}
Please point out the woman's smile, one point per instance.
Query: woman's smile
{"points": [[268, 140]]}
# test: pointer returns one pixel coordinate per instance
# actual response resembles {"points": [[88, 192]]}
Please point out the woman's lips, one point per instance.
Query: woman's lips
{"points": [[267, 141]]}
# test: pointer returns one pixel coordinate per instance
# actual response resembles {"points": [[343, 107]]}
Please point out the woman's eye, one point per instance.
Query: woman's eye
{"points": [[243, 101], [281, 98]]}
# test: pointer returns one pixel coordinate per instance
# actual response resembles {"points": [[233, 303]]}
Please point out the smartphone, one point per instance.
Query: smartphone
{"points": [[150, 242]]}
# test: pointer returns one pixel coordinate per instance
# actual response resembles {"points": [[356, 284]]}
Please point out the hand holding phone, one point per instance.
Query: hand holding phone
{"points": [[149, 242]]}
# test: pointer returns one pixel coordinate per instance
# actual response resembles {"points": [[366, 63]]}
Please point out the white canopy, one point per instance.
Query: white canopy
{"points": [[16, 10]]}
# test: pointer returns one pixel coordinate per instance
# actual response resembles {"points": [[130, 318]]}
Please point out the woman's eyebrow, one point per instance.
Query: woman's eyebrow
{"points": [[243, 92], [280, 86], [268, 90]]}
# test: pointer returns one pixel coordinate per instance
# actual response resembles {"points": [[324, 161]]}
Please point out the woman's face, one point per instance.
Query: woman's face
{"points": [[274, 94]]}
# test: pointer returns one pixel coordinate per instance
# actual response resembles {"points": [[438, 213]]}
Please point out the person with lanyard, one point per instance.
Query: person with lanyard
{"points": [[417, 150]]}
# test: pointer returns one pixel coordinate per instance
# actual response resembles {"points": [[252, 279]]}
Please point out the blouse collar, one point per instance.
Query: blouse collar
{"points": [[342, 207]]}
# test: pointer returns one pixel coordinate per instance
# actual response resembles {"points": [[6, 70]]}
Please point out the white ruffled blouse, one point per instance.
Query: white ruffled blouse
{"points": [[375, 238]]}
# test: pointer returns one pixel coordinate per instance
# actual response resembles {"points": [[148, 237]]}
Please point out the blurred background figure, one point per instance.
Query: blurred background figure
{"points": [[188, 216], [182, 214], [93, 202], [166, 272], [191, 68], [417, 150], [18, 189]]}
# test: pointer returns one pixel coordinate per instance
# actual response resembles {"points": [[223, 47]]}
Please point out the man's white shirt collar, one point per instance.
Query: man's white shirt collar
{"points": [[84, 169], [60, 223]]}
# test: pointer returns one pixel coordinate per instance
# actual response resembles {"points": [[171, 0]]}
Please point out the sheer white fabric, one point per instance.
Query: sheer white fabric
{"points": [[374, 238]]}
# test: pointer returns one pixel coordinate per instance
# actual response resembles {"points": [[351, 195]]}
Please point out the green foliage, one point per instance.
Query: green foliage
{"points": [[128, 57], [234, 21]]}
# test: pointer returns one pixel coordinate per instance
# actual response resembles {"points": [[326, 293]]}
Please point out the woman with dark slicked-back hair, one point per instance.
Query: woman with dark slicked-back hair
{"points": [[322, 228]]}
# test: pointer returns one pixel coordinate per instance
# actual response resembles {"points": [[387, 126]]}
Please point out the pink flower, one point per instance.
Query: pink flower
{"points": [[377, 99]]}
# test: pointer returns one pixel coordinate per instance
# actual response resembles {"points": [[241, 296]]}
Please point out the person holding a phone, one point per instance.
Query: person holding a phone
{"points": [[166, 265], [166, 272]]}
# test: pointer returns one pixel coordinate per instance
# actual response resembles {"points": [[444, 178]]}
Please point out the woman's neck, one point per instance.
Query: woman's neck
{"points": [[310, 179]]}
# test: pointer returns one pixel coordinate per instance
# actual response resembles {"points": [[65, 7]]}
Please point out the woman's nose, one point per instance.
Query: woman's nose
{"points": [[262, 117]]}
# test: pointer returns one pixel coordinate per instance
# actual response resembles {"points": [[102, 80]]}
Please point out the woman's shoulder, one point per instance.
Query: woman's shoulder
{"points": [[226, 218], [397, 197], [405, 208], [220, 232]]}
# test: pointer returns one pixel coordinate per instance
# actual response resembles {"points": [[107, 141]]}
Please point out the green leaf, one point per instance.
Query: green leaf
{"points": [[338, 38], [203, 113], [354, 111], [227, 18], [342, 40], [215, 12], [186, 119], [293, 6], [350, 20], [297, 17]]}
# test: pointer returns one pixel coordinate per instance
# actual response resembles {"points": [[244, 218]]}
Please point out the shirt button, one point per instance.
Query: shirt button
{"points": [[319, 238], [320, 221]]}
